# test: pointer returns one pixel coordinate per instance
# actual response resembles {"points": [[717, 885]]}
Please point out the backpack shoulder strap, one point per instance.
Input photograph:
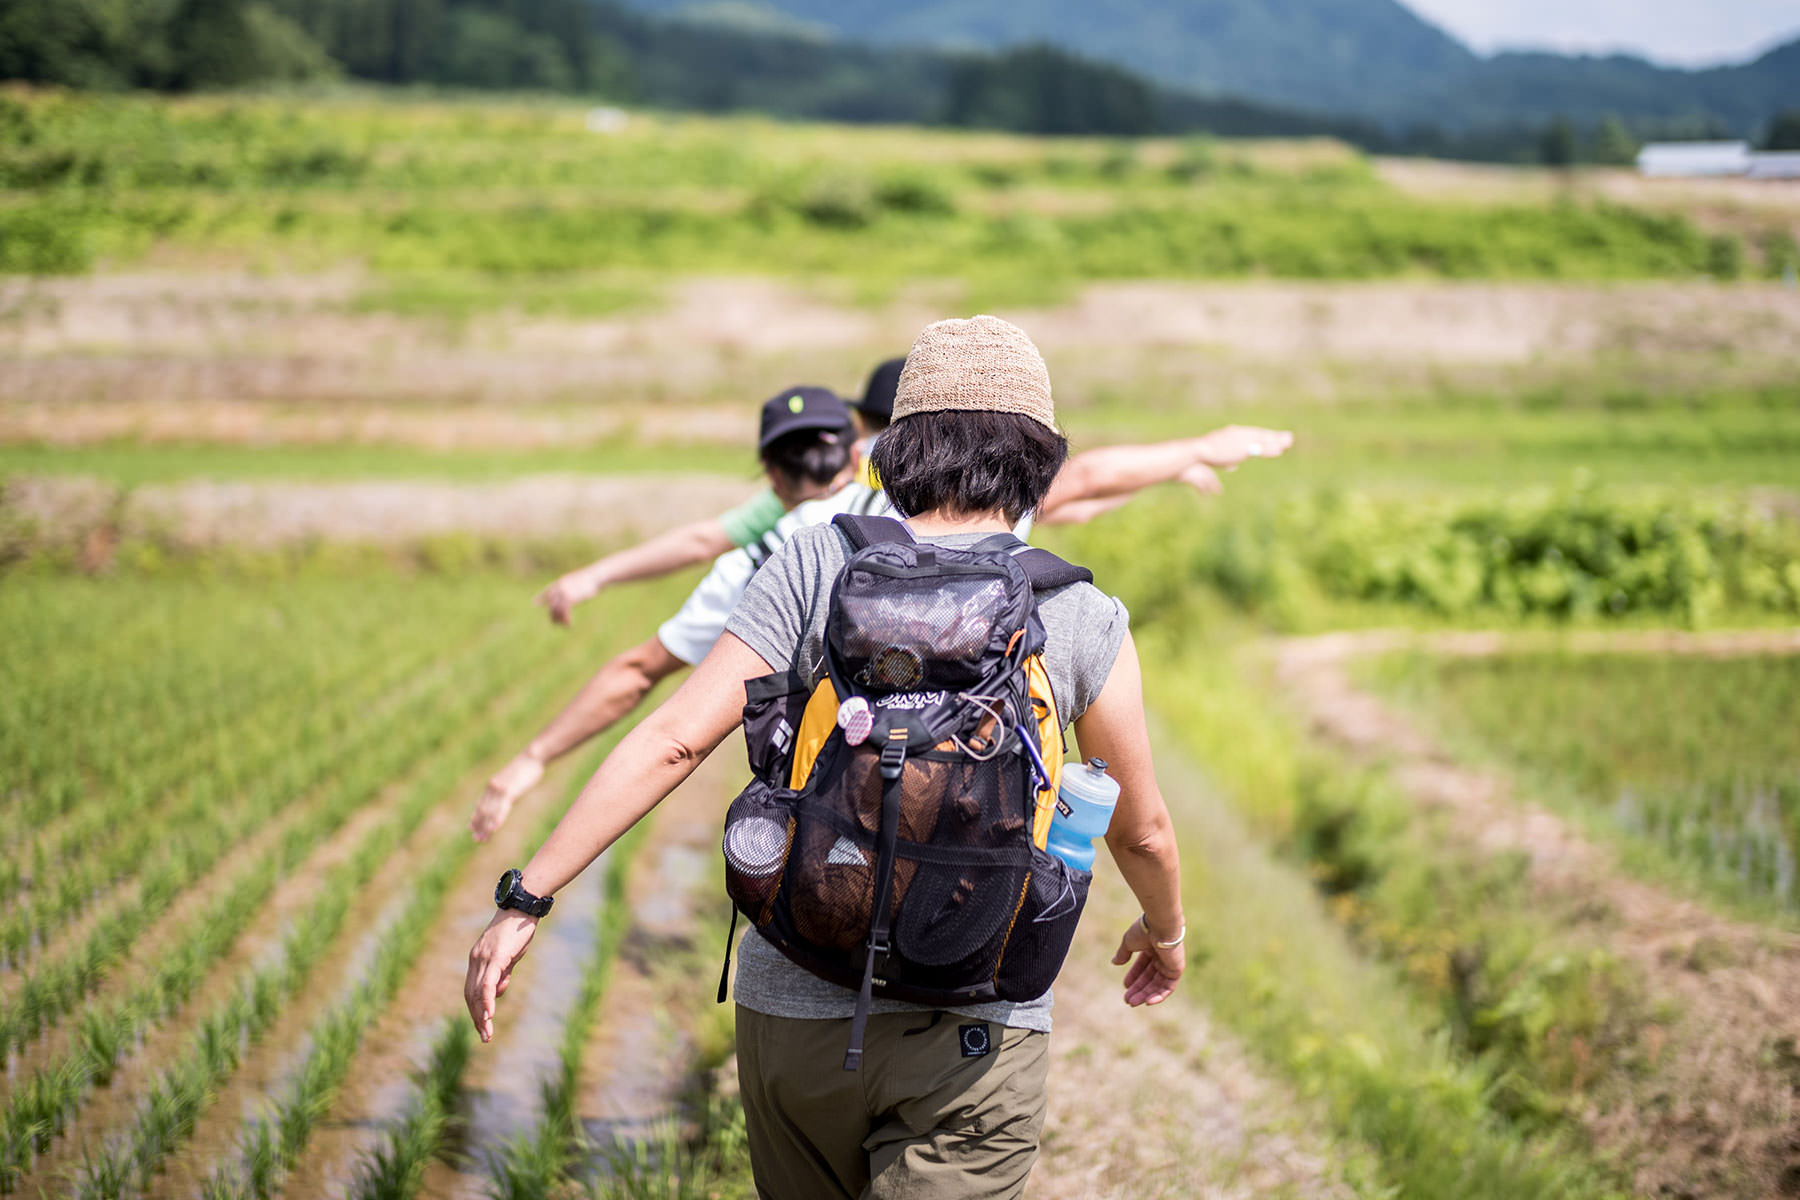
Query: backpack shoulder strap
{"points": [[1046, 571], [865, 531]]}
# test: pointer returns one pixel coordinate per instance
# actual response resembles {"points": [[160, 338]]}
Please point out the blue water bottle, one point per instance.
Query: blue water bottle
{"points": [[1084, 808]]}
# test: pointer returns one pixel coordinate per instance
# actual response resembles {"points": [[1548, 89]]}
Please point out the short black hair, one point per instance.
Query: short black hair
{"points": [[813, 456], [968, 462]]}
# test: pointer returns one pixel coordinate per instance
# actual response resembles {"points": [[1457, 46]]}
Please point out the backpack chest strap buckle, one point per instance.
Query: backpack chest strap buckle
{"points": [[893, 755]]}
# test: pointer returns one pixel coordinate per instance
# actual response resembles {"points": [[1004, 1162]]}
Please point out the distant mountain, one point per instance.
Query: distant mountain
{"points": [[1369, 58], [1535, 87]]}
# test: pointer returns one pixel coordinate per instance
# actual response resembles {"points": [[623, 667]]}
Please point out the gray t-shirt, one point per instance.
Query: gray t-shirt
{"points": [[782, 618]]}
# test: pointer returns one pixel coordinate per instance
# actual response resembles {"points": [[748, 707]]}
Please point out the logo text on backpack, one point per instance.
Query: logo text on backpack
{"points": [[914, 700]]}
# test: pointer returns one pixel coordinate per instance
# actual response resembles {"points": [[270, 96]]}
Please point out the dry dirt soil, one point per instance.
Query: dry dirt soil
{"points": [[253, 360]]}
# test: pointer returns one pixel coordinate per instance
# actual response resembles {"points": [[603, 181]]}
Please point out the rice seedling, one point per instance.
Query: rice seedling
{"points": [[222, 806], [1691, 764], [381, 748], [335, 1038], [41, 1109], [661, 1166], [188, 1086], [395, 1168], [104, 1175], [107, 840]]}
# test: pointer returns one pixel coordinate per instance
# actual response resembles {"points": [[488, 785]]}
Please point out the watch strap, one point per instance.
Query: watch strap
{"points": [[520, 900]]}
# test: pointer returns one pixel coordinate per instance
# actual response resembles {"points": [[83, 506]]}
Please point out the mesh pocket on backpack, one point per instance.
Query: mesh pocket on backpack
{"points": [[1040, 938], [830, 893], [772, 710], [758, 828], [889, 629], [957, 913]]}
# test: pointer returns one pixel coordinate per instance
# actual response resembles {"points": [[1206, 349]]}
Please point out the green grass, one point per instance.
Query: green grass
{"points": [[1732, 426], [131, 463], [1692, 764], [419, 188]]}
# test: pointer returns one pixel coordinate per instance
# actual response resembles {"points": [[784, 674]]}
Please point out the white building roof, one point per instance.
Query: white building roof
{"points": [[1775, 164], [1694, 158]]}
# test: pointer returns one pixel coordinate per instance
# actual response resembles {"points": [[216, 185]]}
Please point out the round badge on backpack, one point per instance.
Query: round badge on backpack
{"points": [[856, 719], [896, 667]]}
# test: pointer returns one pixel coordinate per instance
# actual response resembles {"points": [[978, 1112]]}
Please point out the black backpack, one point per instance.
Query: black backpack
{"points": [[892, 839]]}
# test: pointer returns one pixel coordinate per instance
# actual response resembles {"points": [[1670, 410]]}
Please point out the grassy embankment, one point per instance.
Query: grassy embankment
{"points": [[1516, 1020], [448, 202]]}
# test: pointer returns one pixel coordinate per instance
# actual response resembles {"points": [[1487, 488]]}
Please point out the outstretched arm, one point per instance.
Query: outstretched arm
{"points": [[649, 763], [683, 546], [1119, 472], [619, 687]]}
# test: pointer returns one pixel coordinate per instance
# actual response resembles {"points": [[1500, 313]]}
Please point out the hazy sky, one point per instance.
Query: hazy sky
{"points": [[1689, 32]]}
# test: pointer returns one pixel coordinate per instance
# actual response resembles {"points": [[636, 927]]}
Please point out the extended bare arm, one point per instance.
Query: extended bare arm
{"points": [[1098, 480], [684, 546]]}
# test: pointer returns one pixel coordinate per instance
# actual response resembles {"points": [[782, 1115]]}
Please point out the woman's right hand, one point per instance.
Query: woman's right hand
{"points": [[1153, 974]]}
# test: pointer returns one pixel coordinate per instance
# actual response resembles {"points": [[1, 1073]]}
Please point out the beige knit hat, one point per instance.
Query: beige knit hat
{"points": [[983, 364]]}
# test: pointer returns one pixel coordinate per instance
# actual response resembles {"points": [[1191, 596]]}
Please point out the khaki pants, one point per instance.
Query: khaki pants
{"points": [[944, 1106]]}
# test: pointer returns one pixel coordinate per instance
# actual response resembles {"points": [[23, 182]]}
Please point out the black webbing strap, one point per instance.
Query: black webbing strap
{"points": [[725, 971], [1047, 571], [865, 531], [1044, 569], [893, 764]]}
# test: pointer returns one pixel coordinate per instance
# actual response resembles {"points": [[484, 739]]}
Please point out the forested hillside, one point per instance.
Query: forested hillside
{"points": [[607, 51], [1376, 59], [1371, 73]]}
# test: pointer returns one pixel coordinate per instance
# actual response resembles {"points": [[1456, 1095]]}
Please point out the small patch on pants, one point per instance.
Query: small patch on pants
{"points": [[975, 1040]]}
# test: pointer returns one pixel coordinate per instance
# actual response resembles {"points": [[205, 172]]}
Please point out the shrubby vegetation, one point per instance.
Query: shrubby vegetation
{"points": [[1584, 554]]}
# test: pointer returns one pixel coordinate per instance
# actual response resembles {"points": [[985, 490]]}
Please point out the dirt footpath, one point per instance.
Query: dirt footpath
{"points": [[1719, 1115], [1161, 1102]]}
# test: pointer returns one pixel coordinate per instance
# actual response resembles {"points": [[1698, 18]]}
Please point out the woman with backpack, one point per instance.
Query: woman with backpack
{"points": [[906, 733]]}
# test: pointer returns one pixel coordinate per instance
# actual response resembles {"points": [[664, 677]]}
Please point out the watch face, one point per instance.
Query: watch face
{"points": [[503, 889]]}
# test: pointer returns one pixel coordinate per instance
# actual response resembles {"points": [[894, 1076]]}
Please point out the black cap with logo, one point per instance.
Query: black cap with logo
{"points": [[878, 397], [801, 408]]}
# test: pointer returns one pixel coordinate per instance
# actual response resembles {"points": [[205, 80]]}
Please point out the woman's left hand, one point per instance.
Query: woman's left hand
{"points": [[496, 952], [1153, 975]]}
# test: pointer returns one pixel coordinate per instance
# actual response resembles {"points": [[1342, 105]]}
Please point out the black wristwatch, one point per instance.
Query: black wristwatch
{"points": [[510, 893]]}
